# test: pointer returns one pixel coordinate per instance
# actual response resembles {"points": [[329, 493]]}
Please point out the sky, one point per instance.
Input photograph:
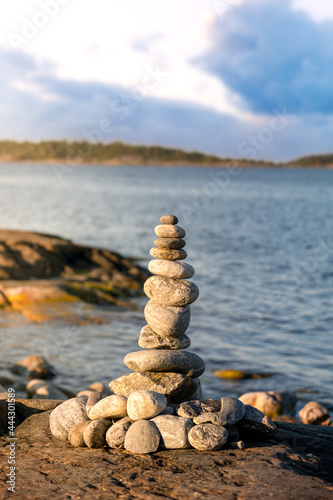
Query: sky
{"points": [[246, 79]]}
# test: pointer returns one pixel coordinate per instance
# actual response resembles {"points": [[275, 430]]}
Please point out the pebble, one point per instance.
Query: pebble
{"points": [[232, 410], [167, 321], [174, 386], [94, 433], [171, 243], [115, 435], [169, 231], [314, 413], [170, 269], [145, 404], [170, 292], [169, 219], [174, 431], [207, 437], [66, 415], [166, 254], [256, 423], [94, 398], [234, 445], [75, 435], [110, 407], [142, 437], [192, 409], [150, 340], [156, 360]]}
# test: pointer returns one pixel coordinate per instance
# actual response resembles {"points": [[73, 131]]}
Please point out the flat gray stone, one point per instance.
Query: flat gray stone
{"points": [[94, 433], [170, 292], [145, 404], [115, 435], [169, 219], [171, 243], [150, 340], [66, 415], [171, 269], [169, 231], [210, 417], [174, 431], [94, 398], [167, 254], [75, 435], [192, 409], [232, 410], [142, 437], [167, 321], [114, 406], [255, 423], [206, 437], [155, 360], [175, 386]]}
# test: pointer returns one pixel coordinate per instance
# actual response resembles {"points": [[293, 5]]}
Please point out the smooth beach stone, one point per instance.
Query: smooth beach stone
{"points": [[94, 433], [169, 231], [66, 415], [166, 254], [211, 417], [150, 340], [169, 219], [110, 407], [156, 360], [192, 409], [145, 404], [115, 435], [94, 398], [170, 292], [167, 321], [171, 243], [232, 410], [174, 386], [142, 437], [171, 269], [256, 423], [207, 437], [75, 435], [174, 431]]}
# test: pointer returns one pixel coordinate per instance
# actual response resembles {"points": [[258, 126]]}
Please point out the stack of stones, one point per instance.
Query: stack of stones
{"points": [[164, 366]]}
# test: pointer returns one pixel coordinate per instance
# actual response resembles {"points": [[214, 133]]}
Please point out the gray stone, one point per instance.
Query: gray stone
{"points": [[94, 398], [169, 231], [110, 407], [167, 321], [166, 254], [210, 417], [171, 269], [192, 409], [66, 415], [174, 386], [169, 219], [171, 243], [75, 435], [150, 340], [94, 433], [174, 431], [256, 423], [232, 410], [206, 437], [170, 292], [155, 360], [115, 435], [145, 404], [142, 437]]}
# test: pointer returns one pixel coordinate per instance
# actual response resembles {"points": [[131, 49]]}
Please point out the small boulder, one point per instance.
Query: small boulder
{"points": [[34, 367], [94, 433], [145, 404], [115, 435], [267, 402], [66, 415], [314, 413], [142, 437], [110, 407], [207, 437]]}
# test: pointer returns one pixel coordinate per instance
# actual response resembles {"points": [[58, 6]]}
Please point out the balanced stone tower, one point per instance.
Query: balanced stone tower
{"points": [[164, 365]]}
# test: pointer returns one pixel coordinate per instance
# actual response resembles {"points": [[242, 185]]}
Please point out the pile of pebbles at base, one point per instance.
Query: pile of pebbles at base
{"points": [[144, 423]]}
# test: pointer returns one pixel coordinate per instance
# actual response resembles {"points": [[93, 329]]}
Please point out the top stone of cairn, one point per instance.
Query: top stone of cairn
{"points": [[169, 219]]}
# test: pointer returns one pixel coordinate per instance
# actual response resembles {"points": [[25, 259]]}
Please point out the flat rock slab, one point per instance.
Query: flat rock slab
{"points": [[294, 465], [155, 360]]}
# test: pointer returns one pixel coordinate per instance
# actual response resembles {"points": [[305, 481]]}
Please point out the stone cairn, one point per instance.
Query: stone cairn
{"points": [[160, 405]]}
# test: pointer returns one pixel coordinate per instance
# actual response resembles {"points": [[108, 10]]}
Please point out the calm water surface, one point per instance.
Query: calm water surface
{"points": [[261, 242]]}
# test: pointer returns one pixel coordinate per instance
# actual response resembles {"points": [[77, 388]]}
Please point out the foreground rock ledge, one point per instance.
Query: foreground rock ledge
{"points": [[297, 463]]}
